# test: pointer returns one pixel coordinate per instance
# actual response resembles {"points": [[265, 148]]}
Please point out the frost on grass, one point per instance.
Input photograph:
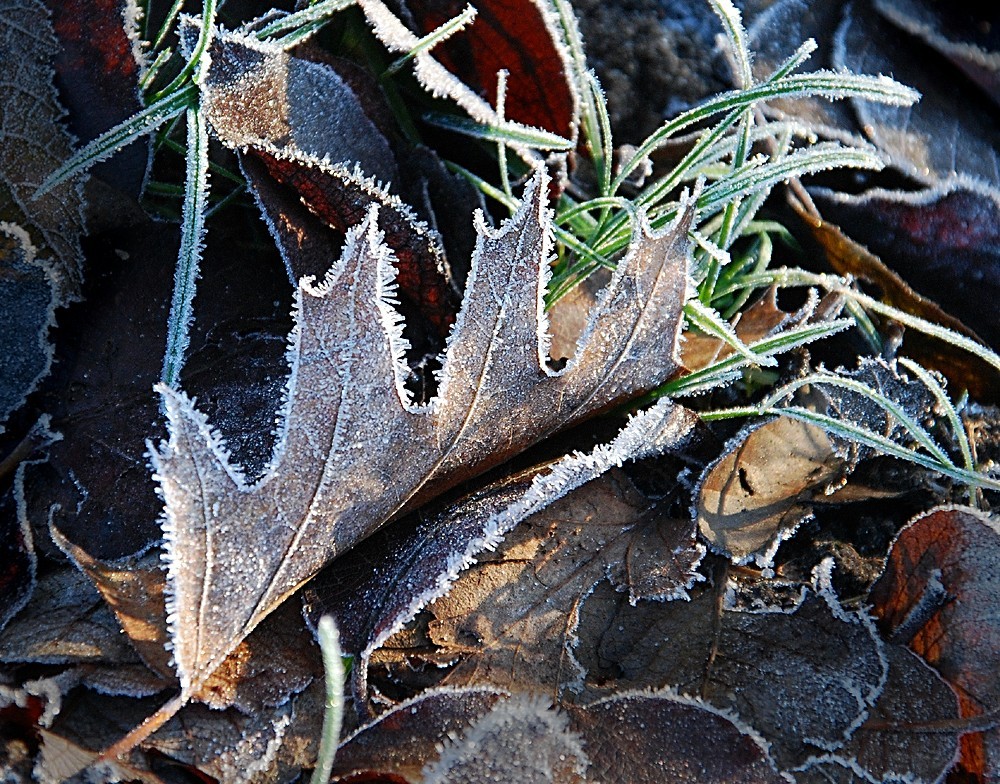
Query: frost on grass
{"points": [[353, 450]]}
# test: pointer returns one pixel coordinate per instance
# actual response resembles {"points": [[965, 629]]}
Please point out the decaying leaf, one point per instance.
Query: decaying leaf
{"points": [[965, 39], [301, 129], [526, 39], [512, 617], [64, 622], [907, 735], [61, 761], [949, 131], [763, 487], [939, 596], [656, 736], [382, 584], [35, 144], [804, 680], [521, 739], [401, 741], [27, 298], [945, 241], [237, 550], [555, 106]]}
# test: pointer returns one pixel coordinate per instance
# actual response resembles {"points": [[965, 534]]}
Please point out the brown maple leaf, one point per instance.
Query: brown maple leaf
{"points": [[353, 450]]}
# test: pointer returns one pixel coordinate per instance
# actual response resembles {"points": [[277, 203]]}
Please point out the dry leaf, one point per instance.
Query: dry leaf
{"points": [[803, 679], [521, 739], [35, 144], [27, 301], [61, 761], [939, 595], [655, 737], [760, 490], [404, 739], [512, 617], [353, 451], [949, 131], [383, 583], [64, 622]]}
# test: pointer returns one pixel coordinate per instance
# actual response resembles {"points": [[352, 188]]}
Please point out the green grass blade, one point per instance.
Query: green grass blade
{"points": [[123, 134], [318, 13], [333, 715], [189, 256], [506, 133], [711, 323]]}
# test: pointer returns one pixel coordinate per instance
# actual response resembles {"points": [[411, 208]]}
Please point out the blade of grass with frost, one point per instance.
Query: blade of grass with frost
{"points": [[123, 134], [333, 715], [433, 38], [317, 13], [507, 133], [916, 431], [194, 66], [785, 278], [725, 370], [860, 435], [823, 84], [189, 256], [711, 323], [950, 412]]}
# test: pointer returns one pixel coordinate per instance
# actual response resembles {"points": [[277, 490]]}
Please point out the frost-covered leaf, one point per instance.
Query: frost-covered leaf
{"points": [[521, 739], [655, 736], [804, 680], [401, 741], [939, 596], [97, 63], [763, 486], [511, 618], [64, 622], [526, 38], [27, 297], [301, 129], [61, 761], [893, 742], [950, 131], [17, 553], [353, 451], [35, 143], [945, 241], [968, 40], [383, 582], [112, 350]]}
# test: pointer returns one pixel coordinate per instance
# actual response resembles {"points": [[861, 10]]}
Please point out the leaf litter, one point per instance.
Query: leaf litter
{"points": [[539, 624]]}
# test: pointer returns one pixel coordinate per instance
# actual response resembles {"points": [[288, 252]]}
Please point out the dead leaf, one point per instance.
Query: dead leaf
{"points": [[763, 487], [906, 737], [64, 622], [938, 595], [803, 679], [511, 618], [27, 300], [949, 131], [968, 39], [401, 741], [348, 426], [385, 581], [303, 133], [652, 737], [60, 761], [97, 66], [17, 553], [542, 75], [524, 38], [35, 144], [944, 241], [521, 739]]}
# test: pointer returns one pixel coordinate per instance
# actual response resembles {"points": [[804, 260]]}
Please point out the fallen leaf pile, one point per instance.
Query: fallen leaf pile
{"points": [[540, 575]]}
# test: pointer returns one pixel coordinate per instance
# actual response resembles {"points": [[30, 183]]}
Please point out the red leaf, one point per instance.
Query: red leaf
{"points": [[939, 594], [520, 36]]}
